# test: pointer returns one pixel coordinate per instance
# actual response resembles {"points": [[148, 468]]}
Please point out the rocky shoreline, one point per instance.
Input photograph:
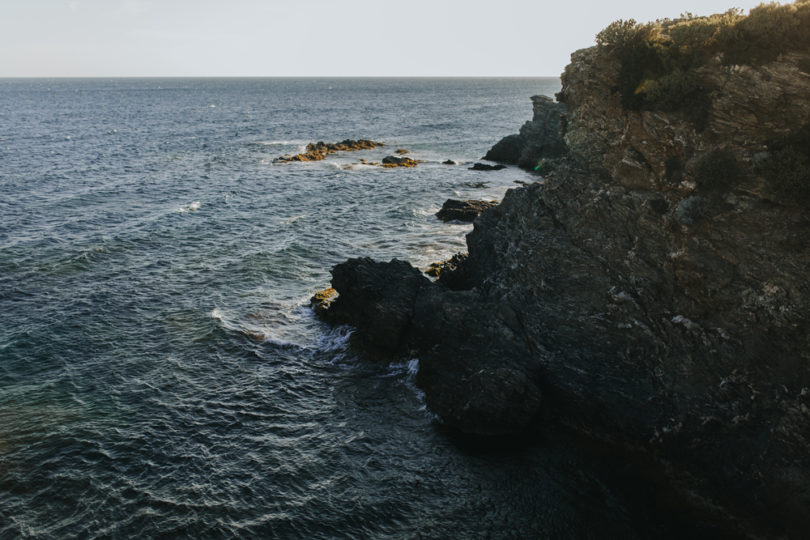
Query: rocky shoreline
{"points": [[650, 293]]}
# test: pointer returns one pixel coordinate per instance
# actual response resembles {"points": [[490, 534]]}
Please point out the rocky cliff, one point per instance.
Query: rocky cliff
{"points": [[538, 138], [652, 289]]}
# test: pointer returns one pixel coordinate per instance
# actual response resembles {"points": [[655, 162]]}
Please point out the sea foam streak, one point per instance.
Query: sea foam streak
{"points": [[190, 207]]}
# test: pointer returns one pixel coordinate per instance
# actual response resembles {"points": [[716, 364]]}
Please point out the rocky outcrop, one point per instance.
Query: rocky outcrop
{"points": [[455, 210], [653, 288], [318, 151], [539, 138], [486, 167], [321, 301], [390, 162], [461, 381]]}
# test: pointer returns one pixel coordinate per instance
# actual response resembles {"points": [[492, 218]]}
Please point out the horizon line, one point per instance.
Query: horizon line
{"points": [[279, 76]]}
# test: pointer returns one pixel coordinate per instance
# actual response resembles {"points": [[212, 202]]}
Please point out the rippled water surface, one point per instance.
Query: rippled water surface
{"points": [[160, 371]]}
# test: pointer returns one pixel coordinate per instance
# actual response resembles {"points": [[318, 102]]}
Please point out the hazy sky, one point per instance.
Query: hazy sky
{"points": [[311, 37]]}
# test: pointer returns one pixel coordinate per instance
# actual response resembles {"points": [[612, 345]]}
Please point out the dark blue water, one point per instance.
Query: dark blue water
{"points": [[160, 371]]}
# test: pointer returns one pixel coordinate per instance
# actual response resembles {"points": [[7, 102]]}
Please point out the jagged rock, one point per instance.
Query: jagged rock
{"points": [[318, 151], [486, 167], [476, 368], [397, 161], [468, 210], [539, 138], [747, 106], [436, 269]]}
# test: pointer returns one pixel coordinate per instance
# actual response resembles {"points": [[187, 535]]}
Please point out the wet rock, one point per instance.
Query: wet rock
{"points": [[322, 300], [449, 162], [397, 161], [486, 167], [381, 313], [318, 151], [476, 368], [401, 151], [468, 210]]}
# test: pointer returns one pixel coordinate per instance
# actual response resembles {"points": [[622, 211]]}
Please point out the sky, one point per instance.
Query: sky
{"points": [[274, 38]]}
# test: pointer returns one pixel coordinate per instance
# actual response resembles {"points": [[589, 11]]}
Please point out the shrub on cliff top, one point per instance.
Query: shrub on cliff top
{"points": [[658, 59]]}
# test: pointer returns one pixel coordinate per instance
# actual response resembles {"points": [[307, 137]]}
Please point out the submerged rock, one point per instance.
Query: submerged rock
{"points": [[468, 210], [449, 162], [318, 151]]}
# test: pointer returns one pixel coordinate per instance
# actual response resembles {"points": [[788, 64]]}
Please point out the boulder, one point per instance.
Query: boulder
{"points": [[456, 210], [321, 300], [486, 167], [398, 161]]}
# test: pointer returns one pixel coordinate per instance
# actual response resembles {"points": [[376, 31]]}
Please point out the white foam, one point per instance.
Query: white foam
{"points": [[336, 339], [190, 207], [283, 143]]}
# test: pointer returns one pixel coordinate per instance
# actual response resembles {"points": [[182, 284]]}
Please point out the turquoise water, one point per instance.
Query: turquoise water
{"points": [[160, 371]]}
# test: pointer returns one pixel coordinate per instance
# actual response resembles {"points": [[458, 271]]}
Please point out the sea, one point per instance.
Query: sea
{"points": [[161, 371]]}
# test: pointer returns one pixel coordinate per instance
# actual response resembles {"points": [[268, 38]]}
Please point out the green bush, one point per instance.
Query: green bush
{"points": [[717, 170]]}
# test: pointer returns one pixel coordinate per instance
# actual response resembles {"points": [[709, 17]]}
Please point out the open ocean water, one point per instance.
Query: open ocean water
{"points": [[161, 373]]}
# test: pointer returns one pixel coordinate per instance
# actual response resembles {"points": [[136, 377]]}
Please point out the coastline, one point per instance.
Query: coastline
{"points": [[636, 295]]}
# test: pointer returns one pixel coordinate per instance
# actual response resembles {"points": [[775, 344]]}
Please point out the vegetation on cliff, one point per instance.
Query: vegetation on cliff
{"points": [[658, 59]]}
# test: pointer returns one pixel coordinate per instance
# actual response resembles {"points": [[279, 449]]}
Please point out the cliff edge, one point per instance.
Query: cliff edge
{"points": [[652, 291]]}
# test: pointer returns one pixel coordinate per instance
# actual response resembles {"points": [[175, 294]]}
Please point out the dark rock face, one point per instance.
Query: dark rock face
{"points": [[652, 314], [318, 151], [480, 379], [449, 162], [453, 209], [485, 167], [539, 138]]}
